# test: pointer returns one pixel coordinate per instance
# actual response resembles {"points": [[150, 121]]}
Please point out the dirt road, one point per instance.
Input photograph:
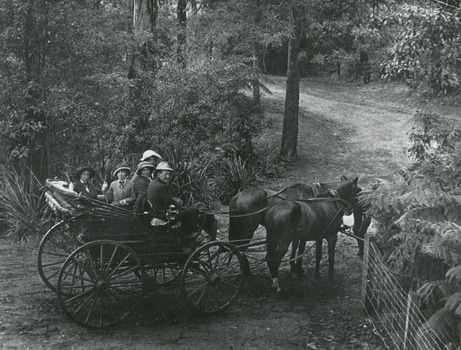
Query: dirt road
{"points": [[366, 128], [344, 129]]}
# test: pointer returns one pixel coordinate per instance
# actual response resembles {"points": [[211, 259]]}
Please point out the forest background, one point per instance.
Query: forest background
{"points": [[98, 82]]}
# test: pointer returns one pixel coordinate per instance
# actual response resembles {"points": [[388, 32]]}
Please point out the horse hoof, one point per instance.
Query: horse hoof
{"points": [[360, 255]]}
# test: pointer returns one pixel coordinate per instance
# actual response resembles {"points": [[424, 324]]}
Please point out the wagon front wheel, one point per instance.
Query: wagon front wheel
{"points": [[98, 284], [212, 277]]}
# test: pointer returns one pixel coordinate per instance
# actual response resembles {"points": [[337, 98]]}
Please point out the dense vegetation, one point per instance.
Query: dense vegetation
{"points": [[419, 219], [98, 82]]}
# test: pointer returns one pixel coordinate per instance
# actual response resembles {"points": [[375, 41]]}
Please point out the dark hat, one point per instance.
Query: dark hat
{"points": [[121, 167], [84, 168], [144, 165]]}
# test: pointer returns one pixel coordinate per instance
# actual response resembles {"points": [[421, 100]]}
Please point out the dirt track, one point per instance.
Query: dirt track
{"points": [[344, 129]]}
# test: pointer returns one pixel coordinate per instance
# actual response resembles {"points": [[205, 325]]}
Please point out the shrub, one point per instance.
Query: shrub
{"points": [[23, 210], [420, 217]]}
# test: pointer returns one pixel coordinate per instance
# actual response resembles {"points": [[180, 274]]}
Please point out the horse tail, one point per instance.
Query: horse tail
{"points": [[281, 224]]}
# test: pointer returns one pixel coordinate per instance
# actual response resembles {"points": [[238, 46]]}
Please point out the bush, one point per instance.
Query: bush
{"points": [[23, 210]]}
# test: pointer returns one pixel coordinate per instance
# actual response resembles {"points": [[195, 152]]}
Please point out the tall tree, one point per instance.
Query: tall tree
{"points": [[145, 14], [290, 118], [256, 56], [181, 33]]}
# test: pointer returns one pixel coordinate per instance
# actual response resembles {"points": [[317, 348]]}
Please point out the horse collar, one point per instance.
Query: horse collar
{"points": [[333, 193]]}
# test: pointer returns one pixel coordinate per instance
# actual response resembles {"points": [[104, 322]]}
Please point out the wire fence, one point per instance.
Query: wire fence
{"points": [[396, 310]]}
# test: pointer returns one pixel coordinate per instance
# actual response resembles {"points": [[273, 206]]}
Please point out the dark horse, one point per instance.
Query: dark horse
{"points": [[248, 209], [308, 220]]}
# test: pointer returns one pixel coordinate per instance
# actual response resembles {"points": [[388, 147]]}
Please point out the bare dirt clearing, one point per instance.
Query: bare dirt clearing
{"points": [[344, 129]]}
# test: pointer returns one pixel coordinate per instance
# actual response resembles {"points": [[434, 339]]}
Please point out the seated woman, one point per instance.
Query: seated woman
{"points": [[121, 191], [82, 183], [141, 182]]}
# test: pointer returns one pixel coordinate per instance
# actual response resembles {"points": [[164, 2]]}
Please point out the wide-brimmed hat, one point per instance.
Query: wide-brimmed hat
{"points": [[85, 168], [121, 167], [149, 153], [144, 165], [162, 166]]}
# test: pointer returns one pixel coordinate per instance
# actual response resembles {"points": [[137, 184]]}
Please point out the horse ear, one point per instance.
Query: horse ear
{"points": [[355, 180], [343, 178]]}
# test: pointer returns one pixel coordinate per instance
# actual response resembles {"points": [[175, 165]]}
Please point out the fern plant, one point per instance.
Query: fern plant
{"points": [[420, 222]]}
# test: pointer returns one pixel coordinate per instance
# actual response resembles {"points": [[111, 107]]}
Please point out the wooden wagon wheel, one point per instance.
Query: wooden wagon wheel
{"points": [[98, 284], [56, 245], [212, 277]]}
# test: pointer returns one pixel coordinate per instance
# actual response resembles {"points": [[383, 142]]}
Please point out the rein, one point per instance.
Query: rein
{"points": [[270, 206]]}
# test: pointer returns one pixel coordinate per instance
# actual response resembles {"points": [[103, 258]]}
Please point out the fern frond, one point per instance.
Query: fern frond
{"points": [[453, 303], [454, 275]]}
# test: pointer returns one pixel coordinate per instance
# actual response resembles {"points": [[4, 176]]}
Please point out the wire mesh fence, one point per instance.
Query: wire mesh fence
{"points": [[395, 309]]}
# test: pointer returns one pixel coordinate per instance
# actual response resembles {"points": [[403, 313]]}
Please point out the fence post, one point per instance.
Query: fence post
{"points": [[366, 271], [411, 321]]}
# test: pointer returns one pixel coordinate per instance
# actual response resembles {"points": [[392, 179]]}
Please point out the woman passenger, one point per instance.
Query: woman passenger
{"points": [[121, 191], [141, 182], [82, 183]]}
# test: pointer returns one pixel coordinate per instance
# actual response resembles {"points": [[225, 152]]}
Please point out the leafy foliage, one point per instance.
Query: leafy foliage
{"points": [[22, 207], [420, 218], [427, 48]]}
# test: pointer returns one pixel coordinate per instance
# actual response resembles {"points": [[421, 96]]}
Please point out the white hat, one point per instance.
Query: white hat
{"points": [[149, 153], [162, 166]]}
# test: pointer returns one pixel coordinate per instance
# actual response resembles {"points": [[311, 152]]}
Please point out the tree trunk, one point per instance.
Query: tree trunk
{"points": [[145, 14], [256, 55], [35, 115], [181, 36], [290, 119]]}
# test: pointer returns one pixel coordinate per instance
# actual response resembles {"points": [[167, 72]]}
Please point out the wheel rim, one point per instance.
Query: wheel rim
{"points": [[57, 244], [212, 277], [98, 284]]}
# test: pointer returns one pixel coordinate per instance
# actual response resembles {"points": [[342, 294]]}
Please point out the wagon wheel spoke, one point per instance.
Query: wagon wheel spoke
{"points": [[81, 295], [119, 265], [91, 310]]}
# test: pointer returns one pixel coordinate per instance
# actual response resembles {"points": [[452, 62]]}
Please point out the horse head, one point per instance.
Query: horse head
{"points": [[348, 192]]}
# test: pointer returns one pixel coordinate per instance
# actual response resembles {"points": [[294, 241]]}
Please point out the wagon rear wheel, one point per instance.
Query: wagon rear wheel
{"points": [[56, 245], [98, 284], [212, 277]]}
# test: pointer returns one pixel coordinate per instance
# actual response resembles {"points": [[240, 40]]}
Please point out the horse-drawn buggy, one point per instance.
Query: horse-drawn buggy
{"points": [[102, 260]]}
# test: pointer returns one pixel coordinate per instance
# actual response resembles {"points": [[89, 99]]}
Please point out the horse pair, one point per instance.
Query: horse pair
{"points": [[294, 215]]}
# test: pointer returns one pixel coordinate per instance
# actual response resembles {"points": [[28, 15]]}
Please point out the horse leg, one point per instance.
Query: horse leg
{"points": [[281, 222], [331, 258], [318, 258], [299, 261], [294, 247], [361, 224]]}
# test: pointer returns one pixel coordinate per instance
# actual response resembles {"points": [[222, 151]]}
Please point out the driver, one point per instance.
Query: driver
{"points": [[160, 196]]}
